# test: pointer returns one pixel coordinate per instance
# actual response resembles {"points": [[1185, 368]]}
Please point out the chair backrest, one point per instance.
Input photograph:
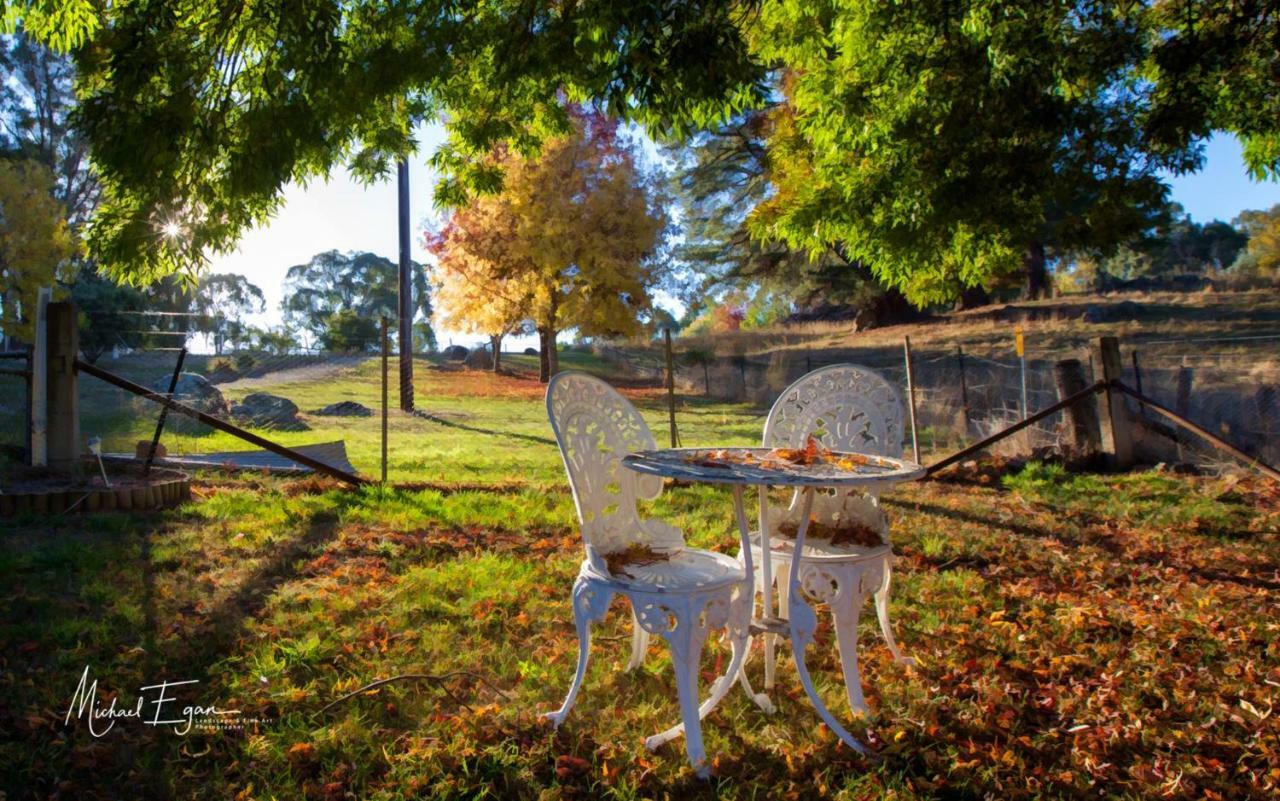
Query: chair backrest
{"points": [[595, 427], [845, 406]]}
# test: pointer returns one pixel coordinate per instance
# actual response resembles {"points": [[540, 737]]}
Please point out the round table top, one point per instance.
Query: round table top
{"points": [[754, 466]]}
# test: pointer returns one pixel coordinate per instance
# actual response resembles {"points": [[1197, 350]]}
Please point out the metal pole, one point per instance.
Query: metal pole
{"points": [[671, 388], [406, 292], [1137, 378], [386, 349], [164, 412], [911, 398], [964, 387], [1022, 369]]}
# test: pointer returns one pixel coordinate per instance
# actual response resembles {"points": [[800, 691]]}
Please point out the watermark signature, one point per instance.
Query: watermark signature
{"points": [[156, 705]]}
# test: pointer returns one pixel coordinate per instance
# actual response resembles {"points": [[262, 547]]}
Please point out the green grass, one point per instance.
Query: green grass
{"points": [[1101, 636]]}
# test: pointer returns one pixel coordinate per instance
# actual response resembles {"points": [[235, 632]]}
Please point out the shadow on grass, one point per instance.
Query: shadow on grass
{"points": [[478, 430], [92, 593], [1091, 528]]}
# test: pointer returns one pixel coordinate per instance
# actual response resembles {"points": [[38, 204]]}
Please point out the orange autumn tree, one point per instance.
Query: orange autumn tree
{"points": [[568, 242]]}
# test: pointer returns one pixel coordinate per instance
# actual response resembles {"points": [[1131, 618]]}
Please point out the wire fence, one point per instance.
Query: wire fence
{"points": [[1230, 385]]}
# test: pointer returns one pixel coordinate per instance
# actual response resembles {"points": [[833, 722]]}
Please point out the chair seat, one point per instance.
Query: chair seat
{"points": [[819, 550], [685, 570]]}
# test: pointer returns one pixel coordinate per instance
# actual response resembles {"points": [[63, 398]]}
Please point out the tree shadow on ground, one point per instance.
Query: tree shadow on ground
{"points": [[90, 593], [1091, 530]]}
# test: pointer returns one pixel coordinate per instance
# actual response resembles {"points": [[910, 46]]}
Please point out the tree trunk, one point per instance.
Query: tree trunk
{"points": [[495, 343], [544, 357], [552, 354], [1037, 272], [972, 298]]}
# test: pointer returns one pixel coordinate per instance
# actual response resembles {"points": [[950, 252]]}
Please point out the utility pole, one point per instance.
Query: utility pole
{"points": [[406, 293]]}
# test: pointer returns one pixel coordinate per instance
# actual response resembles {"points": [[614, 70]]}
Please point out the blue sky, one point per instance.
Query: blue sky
{"points": [[340, 214]]}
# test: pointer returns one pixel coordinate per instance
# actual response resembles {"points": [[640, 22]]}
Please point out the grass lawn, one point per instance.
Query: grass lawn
{"points": [[1100, 636]]}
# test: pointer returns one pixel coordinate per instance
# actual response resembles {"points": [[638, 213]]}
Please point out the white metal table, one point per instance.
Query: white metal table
{"points": [[743, 467]]}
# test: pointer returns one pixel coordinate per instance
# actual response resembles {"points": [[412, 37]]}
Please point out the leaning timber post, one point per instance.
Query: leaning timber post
{"points": [[671, 387], [911, 398], [63, 399], [1117, 437], [1084, 431]]}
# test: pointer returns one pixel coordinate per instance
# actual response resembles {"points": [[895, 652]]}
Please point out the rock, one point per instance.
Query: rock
{"points": [[530, 351], [1124, 310], [479, 360], [264, 410], [192, 390], [345, 409], [454, 353], [222, 374], [143, 447]]}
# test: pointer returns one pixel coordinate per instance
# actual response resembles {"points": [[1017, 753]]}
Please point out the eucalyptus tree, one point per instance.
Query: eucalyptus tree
{"points": [[363, 286]]}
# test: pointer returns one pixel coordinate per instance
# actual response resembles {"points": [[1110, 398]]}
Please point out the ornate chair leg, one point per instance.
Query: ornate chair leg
{"points": [[737, 632], [639, 642], [685, 640], [846, 608], [589, 605], [882, 612]]}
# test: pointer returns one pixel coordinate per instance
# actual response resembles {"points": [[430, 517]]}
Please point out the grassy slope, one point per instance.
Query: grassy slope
{"points": [[1075, 634]]}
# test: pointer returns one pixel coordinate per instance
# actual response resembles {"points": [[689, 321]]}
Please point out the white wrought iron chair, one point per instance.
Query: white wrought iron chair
{"points": [[847, 408], [681, 597]]}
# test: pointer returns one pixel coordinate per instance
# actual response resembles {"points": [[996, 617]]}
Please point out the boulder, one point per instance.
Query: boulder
{"points": [[479, 360], [530, 351], [345, 409], [454, 353], [222, 374], [192, 390], [264, 410], [1124, 310]]}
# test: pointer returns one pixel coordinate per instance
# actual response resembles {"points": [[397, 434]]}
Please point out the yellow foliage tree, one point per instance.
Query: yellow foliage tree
{"points": [[35, 243], [1262, 255], [567, 243]]}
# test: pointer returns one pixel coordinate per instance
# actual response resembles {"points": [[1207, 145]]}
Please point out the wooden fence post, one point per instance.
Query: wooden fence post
{"points": [[671, 387], [1182, 401], [1117, 439], [911, 398], [63, 398], [964, 388], [38, 395], [1082, 416]]}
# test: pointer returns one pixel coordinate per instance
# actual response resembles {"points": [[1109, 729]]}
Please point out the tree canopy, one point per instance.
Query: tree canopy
{"points": [[35, 242], [199, 114], [36, 99], [569, 241], [1261, 256]]}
